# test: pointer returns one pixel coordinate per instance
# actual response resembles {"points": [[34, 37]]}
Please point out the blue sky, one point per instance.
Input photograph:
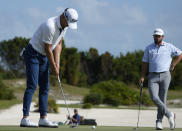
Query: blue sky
{"points": [[108, 25]]}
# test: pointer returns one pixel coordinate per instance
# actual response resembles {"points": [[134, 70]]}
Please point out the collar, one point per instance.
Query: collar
{"points": [[163, 44], [58, 22]]}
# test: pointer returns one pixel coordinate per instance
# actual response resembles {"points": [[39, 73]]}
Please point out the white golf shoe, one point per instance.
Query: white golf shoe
{"points": [[172, 121], [159, 125], [25, 122], [44, 122]]}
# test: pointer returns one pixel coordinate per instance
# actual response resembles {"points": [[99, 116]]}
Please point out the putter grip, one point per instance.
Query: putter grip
{"points": [[59, 80], [141, 85]]}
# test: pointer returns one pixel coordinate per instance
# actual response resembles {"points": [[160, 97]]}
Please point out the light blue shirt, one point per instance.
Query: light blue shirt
{"points": [[160, 57]]}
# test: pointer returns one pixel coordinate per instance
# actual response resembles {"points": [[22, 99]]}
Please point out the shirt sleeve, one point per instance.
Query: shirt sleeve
{"points": [[146, 56], [47, 35], [77, 117], [175, 51]]}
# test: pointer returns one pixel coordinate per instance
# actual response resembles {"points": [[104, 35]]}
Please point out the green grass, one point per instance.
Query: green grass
{"points": [[4, 104], [74, 90], [19, 86], [172, 94], [71, 92], [80, 128]]}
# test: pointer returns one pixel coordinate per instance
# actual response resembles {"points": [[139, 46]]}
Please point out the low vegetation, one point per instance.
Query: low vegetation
{"points": [[115, 93]]}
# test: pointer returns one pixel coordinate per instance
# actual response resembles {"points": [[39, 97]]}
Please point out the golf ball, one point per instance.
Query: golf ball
{"points": [[93, 127]]}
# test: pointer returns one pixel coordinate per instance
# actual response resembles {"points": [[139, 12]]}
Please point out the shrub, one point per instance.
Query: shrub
{"points": [[112, 100], [146, 100], [87, 106], [52, 107], [116, 93], [5, 92], [93, 98]]}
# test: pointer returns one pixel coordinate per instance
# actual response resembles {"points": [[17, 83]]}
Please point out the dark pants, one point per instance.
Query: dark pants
{"points": [[37, 73]]}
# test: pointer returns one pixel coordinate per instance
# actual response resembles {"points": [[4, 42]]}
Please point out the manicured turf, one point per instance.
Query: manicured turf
{"points": [[80, 128]]}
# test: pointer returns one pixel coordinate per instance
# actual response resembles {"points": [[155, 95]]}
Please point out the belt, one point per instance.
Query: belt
{"points": [[158, 72], [30, 45]]}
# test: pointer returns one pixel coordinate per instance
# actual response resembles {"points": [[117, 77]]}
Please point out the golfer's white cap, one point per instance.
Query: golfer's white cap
{"points": [[158, 31], [71, 17]]}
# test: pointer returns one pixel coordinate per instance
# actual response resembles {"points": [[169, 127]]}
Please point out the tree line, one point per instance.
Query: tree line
{"points": [[81, 68]]}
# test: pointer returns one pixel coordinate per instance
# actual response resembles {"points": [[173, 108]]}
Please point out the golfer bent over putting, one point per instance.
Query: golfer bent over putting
{"points": [[158, 56], [41, 51]]}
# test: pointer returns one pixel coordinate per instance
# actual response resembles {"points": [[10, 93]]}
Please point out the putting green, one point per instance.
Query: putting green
{"points": [[80, 128]]}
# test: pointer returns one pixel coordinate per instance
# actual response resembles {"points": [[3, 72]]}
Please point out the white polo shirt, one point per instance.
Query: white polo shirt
{"points": [[160, 57], [48, 32]]}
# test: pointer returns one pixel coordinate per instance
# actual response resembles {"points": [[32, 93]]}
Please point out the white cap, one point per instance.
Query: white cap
{"points": [[71, 17], [158, 31]]}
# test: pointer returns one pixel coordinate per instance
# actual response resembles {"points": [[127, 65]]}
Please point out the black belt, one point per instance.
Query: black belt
{"points": [[30, 46], [159, 72]]}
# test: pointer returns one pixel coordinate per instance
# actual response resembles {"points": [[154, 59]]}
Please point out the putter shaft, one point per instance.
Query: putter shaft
{"points": [[65, 99], [140, 100]]}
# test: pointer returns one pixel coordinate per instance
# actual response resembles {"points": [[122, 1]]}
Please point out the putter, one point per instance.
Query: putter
{"points": [[140, 99], [72, 125]]}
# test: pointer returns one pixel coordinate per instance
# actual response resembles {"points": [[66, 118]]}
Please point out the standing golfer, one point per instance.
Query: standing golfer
{"points": [[42, 50], [158, 57]]}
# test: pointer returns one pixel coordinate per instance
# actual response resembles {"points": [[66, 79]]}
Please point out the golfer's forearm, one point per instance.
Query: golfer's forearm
{"points": [[177, 60], [50, 55], [144, 68], [57, 53]]}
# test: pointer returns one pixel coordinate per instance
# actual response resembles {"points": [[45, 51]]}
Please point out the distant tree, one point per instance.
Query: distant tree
{"points": [[63, 59], [71, 73], [127, 68], [90, 62], [83, 68], [106, 71], [10, 55], [176, 82]]}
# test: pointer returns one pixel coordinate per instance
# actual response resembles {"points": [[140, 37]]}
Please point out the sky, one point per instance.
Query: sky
{"points": [[117, 26]]}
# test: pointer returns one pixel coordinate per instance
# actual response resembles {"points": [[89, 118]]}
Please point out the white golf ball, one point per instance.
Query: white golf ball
{"points": [[93, 127]]}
